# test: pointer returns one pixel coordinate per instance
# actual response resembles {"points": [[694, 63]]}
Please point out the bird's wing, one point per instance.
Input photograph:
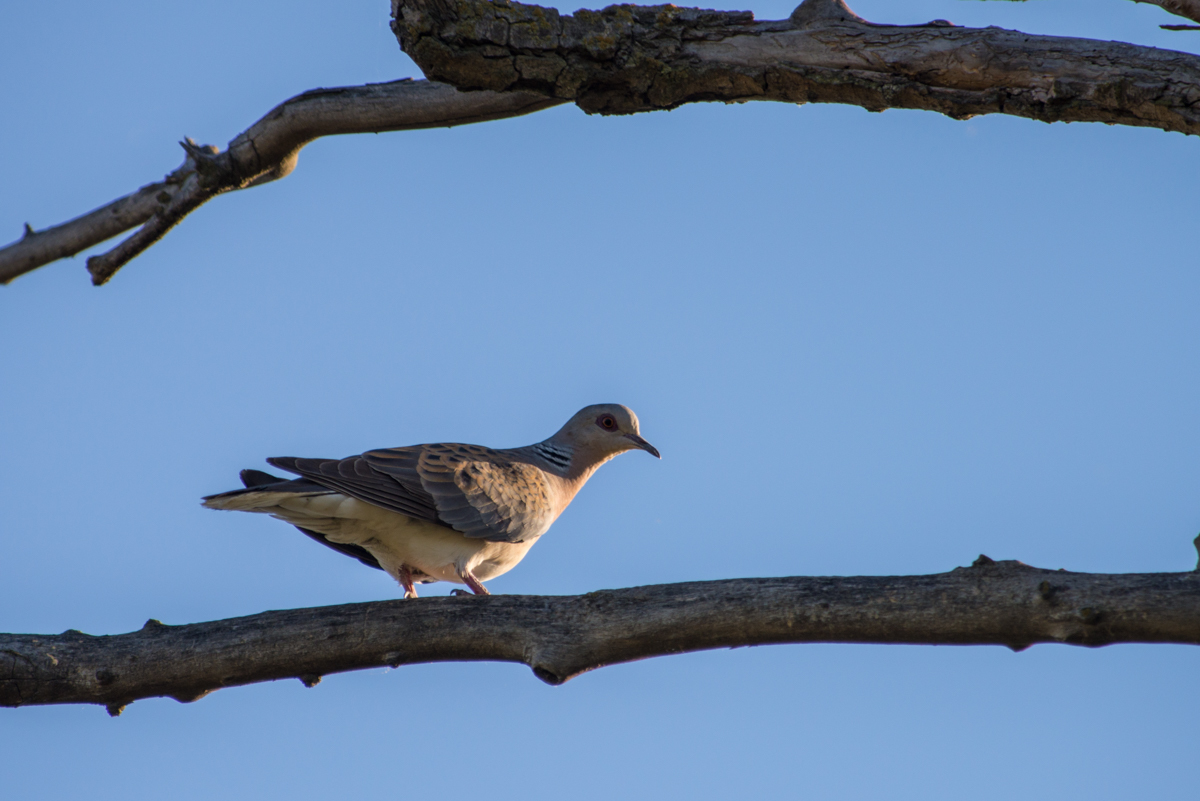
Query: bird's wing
{"points": [[355, 477], [477, 491]]}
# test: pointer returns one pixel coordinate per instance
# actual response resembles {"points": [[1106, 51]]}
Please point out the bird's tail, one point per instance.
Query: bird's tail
{"points": [[262, 493]]}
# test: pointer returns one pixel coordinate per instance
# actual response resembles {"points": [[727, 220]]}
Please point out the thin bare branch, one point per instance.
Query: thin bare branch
{"points": [[627, 59], [37, 248], [191, 195], [267, 151], [997, 603]]}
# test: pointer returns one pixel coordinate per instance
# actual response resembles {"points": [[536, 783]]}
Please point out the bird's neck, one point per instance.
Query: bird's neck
{"points": [[556, 457], [573, 465], [569, 467]]}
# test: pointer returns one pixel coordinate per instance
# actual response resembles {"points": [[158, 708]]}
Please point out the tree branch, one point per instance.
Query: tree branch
{"points": [[266, 151], [627, 59], [989, 603]]}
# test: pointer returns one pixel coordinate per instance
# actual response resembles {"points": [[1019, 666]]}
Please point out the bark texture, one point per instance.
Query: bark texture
{"points": [[627, 59], [266, 151], [989, 603]]}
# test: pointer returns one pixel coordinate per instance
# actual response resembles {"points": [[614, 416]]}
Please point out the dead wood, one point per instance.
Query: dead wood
{"points": [[559, 637], [627, 59], [266, 151]]}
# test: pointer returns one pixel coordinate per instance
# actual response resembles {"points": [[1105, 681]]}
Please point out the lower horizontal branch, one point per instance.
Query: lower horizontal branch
{"points": [[559, 637]]}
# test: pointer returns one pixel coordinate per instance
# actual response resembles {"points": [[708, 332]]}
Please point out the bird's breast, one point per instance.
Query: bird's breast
{"points": [[395, 539]]}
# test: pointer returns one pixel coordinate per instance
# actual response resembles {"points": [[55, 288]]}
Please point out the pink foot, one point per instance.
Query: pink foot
{"points": [[406, 581], [473, 583]]}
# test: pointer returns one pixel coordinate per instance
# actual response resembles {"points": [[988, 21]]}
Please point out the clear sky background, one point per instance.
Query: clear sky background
{"points": [[865, 344]]}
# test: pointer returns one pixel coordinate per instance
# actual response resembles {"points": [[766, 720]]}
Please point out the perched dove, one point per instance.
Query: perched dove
{"points": [[441, 512]]}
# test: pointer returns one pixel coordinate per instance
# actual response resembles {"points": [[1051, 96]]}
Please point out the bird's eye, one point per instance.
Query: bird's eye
{"points": [[607, 422]]}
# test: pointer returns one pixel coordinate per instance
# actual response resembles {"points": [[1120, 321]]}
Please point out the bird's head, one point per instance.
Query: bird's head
{"points": [[598, 433]]}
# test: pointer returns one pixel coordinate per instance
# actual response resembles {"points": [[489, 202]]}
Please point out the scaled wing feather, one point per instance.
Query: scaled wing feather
{"points": [[478, 491]]}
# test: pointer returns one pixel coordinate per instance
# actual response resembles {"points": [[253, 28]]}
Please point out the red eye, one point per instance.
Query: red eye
{"points": [[607, 422]]}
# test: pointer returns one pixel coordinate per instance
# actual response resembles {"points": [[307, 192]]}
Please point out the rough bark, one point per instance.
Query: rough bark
{"points": [[266, 151], [628, 59], [997, 603]]}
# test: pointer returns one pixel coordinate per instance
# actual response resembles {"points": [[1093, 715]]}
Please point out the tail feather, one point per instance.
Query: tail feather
{"points": [[263, 491], [243, 500], [257, 478]]}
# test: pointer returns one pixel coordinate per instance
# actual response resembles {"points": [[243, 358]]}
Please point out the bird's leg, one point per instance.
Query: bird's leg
{"points": [[406, 581], [475, 584]]}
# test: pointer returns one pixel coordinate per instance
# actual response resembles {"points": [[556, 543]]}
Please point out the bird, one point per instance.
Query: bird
{"points": [[444, 511]]}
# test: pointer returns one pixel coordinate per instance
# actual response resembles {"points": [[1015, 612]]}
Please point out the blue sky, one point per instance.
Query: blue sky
{"points": [[865, 344]]}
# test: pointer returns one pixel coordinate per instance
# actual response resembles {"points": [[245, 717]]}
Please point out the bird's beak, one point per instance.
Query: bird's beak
{"points": [[646, 446]]}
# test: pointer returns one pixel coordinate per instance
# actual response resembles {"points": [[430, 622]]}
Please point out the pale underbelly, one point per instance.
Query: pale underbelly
{"points": [[395, 540]]}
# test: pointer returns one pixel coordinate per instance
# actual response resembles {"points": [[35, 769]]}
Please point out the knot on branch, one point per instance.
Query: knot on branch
{"points": [[216, 170], [190, 696], [812, 13], [206, 172], [984, 565], [551, 678]]}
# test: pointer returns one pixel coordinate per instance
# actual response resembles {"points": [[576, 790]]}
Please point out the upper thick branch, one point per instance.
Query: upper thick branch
{"points": [[627, 59], [1002, 603], [266, 151]]}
